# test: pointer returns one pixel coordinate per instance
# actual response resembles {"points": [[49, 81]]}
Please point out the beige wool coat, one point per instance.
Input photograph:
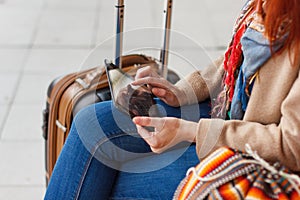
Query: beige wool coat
{"points": [[271, 124]]}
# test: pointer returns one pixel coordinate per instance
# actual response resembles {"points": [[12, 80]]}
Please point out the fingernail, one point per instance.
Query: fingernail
{"points": [[135, 119]]}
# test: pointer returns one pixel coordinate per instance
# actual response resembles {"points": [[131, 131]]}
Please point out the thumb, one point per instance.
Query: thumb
{"points": [[142, 121]]}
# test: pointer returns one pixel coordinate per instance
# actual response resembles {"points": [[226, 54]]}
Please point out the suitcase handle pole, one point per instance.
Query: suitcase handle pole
{"points": [[119, 39], [166, 44]]}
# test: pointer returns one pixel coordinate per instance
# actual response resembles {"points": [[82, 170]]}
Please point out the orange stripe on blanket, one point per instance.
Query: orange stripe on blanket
{"points": [[216, 159], [255, 193], [205, 167]]}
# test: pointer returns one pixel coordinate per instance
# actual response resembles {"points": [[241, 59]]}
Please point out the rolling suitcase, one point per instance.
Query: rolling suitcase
{"points": [[68, 94]]}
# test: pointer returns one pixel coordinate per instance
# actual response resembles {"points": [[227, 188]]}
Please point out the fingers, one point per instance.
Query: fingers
{"points": [[151, 138], [159, 86], [165, 134], [146, 75], [145, 72], [155, 122], [162, 89], [153, 81]]}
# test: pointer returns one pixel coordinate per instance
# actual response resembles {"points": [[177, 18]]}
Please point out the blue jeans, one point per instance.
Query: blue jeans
{"points": [[104, 157]]}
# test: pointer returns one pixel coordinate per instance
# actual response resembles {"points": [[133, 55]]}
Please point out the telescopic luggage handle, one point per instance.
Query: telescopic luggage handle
{"points": [[119, 29], [166, 43]]}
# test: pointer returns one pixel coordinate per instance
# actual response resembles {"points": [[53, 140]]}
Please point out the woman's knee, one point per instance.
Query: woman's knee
{"points": [[88, 126], [102, 122], [93, 116]]}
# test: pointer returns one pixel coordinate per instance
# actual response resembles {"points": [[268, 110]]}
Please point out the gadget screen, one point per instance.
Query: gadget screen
{"points": [[133, 100]]}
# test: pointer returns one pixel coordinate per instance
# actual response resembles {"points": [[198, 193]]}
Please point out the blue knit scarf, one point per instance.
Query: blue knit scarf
{"points": [[256, 51]]}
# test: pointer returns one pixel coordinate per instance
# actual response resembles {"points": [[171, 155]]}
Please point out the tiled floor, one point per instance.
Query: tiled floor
{"points": [[42, 39]]}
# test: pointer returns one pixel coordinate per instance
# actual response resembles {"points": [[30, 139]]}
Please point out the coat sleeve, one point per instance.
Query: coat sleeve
{"points": [[200, 85], [273, 142]]}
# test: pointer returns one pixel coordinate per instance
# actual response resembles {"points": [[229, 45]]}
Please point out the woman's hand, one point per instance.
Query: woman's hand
{"points": [[160, 87], [168, 132]]}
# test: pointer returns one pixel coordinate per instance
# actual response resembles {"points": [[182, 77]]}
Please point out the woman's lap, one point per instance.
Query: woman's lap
{"points": [[113, 137], [104, 133], [158, 184]]}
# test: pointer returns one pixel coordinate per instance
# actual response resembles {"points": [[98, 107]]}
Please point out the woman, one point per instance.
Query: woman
{"points": [[254, 91]]}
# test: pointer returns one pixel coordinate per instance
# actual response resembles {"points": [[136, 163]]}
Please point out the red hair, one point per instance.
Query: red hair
{"points": [[275, 13]]}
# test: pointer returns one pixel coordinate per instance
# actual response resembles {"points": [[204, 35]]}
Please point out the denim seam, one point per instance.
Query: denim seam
{"points": [[83, 176], [102, 141], [123, 130]]}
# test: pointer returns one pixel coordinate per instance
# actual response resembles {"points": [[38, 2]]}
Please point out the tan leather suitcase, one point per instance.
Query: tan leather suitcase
{"points": [[68, 94]]}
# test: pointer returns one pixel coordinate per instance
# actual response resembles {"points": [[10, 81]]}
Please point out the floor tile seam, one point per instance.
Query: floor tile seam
{"points": [[15, 89], [14, 93], [13, 96], [21, 72], [37, 24]]}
